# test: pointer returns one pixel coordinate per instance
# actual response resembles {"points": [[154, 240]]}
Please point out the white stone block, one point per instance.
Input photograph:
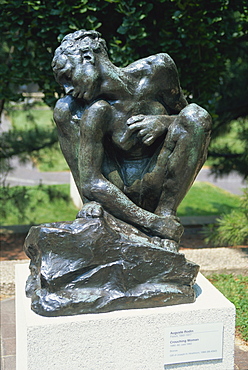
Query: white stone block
{"points": [[74, 194], [120, 340]]}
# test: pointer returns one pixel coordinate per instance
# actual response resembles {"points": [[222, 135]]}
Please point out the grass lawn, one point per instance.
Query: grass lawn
{"points": [[48, 159], [51, 159], [205, 199], [22, 117], [235, 289], [43, 203], [26, 205]]}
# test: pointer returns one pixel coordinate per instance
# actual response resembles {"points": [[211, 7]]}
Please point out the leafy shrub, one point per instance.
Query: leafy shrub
{"points": [[231, 228]]}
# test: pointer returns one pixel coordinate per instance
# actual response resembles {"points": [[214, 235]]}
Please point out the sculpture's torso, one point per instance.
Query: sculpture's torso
{"points": [[142, 97], [122, 111]]}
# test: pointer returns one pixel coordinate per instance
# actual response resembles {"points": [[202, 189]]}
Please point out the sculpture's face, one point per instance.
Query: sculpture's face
{"points": [[81, 79], [75, 64]]}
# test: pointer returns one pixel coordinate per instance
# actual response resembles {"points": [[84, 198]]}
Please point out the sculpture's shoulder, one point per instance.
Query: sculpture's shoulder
{"points": [[66, 107], [163, 65], [153, 64], [161, 60]]}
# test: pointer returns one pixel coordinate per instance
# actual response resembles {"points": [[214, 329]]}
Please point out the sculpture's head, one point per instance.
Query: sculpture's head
{"points": [[74, 63]]}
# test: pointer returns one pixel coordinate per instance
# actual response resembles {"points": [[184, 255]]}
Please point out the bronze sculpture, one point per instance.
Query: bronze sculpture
{"points": [[134, 146]]}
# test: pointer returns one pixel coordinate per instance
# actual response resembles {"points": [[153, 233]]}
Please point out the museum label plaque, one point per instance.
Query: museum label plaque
{"points": [[193, 343]]}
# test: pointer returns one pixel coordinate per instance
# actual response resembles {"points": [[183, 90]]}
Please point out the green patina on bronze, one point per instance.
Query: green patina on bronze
{"points": [[133, 144]]}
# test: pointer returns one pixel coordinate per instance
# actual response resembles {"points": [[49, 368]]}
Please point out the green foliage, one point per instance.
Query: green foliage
{"points": [[232, 138], [43, 203], [229, 150], [24, 114], [204, 199], [235, 288], [207, 39], [36, 204], [232, 228], [50, 159], [196, 34], [32, 130], [33, 136]]}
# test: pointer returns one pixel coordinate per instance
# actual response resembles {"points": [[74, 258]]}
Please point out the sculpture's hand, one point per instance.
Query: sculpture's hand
{"points": [[148, 128]]}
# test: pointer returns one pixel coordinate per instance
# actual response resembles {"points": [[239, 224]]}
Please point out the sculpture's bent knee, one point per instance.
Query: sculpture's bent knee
{"points": [[96, 117], [195, 117], [62, 111], [100, 108]]}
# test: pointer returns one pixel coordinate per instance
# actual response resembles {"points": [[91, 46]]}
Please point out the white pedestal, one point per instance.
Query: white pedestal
{"points": [[120, 340], [74, 194]]}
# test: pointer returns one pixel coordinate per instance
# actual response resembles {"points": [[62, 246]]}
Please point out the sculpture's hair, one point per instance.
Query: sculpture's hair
{"points": [[74, 43]]}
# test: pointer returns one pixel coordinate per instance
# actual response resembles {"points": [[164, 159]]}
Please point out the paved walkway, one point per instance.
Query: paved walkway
{"points": [[232, 182], [27, 174]]}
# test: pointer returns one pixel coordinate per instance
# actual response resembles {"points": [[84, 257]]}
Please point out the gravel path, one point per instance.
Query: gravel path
{"points": [[7, 277], [221, 260]]}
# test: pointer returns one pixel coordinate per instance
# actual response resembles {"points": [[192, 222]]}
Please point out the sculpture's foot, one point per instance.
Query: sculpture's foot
{"points": [[91, 209], [167, 227]]}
